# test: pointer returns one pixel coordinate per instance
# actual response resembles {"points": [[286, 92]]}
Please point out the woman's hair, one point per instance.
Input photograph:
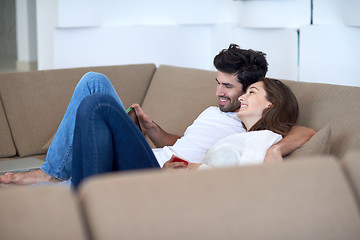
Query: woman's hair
{"points": [[282, 115]]}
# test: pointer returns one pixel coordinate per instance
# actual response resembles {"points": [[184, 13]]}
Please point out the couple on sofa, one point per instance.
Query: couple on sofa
{"points": [[97, 136]]}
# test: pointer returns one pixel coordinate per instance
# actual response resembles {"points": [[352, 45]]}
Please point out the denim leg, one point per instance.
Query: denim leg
{"points": [[59, 156], [106, 140]]}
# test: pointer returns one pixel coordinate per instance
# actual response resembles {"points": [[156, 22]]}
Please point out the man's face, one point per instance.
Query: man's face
{"points": [[228, 91]]}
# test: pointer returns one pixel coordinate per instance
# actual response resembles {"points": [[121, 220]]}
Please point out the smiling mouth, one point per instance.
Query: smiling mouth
{"points": [[243, 106], [224, 100]]}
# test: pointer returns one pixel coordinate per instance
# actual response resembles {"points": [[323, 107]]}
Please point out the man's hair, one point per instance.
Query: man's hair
{"points": [[248, 65], [282, 115]]}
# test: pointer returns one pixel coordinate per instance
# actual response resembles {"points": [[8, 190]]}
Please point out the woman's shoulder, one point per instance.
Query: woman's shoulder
{"points": [[236, 137]]}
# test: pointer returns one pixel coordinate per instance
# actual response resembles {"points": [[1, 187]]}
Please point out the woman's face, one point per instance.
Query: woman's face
{"points": [[253, 104]]}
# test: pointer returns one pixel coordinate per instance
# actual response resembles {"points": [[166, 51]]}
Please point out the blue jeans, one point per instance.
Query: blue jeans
{"points": [[59, 156], [106, 140]]}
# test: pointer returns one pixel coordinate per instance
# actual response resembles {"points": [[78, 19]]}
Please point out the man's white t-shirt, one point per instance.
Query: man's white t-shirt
{"points": [[210, 126]]}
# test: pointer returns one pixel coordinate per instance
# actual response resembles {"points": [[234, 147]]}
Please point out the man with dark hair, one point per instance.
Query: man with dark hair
{"points": [[237, 69], [247, 65]]}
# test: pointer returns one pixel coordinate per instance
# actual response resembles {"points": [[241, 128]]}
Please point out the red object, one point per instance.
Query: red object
{"points": [[177, 159]]}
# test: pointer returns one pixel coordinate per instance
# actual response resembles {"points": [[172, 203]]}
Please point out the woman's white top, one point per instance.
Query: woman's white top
{"points": [[240, 149]]}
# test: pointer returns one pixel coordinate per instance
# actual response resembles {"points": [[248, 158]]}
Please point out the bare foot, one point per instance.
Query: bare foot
{"points": [[25, 178]]}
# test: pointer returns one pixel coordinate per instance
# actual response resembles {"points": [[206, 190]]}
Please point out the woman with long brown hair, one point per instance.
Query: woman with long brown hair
{"points": [[268, 111]]}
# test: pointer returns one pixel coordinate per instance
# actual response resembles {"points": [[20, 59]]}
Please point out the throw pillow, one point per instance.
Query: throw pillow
{"points": [[319, 144]]}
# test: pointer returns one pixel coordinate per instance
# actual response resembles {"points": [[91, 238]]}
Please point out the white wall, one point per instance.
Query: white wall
{"points": [[174, 45], [79, 13], [329, 49], [26, 30], [274, 13], [350, 12], [90, 32], [330, 54], [164, 12], [190, 33], [337, 12], [46, 21]]}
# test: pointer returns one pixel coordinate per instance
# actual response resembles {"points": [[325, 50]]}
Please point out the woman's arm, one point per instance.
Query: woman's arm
{"points": [[297, 137]]}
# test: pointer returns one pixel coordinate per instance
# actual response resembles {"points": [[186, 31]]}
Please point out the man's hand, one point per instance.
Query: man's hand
{"points": [[297, 137], [159, 137], [174, 164], [273, 154], [144, 120]]}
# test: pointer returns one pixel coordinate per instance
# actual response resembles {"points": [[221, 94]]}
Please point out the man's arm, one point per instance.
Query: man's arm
{"points": [[297, 137], [158, 136]]}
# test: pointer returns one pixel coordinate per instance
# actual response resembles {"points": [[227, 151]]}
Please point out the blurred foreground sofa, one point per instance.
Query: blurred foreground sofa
{"points": [[313, 194]]}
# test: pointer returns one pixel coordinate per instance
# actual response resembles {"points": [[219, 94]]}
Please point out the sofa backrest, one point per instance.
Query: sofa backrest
{"points": [[40, 213], [333, 105], [178, 95], [7, 147], [305, 199], [34, 102]]}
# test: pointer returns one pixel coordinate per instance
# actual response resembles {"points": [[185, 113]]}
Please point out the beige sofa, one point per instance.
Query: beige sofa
{"points": [[314, 194]]}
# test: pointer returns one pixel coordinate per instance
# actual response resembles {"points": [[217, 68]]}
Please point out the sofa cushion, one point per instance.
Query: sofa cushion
{"points": [[178, 95], [36, 101], [351, 164], [319, 144], [48, 143], [7, 147], [335, 105], [307, 199], [39, 213]]}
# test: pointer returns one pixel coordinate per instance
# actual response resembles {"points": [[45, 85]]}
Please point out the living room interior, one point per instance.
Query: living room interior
{"points": [[166, 48]]}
